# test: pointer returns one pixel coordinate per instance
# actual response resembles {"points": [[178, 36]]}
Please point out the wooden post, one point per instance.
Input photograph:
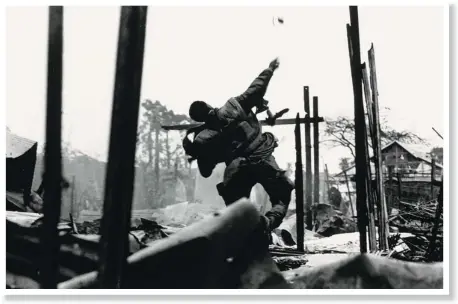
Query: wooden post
{"points": [[433, 174], [370, 199], [367, 97], [383, 214], [371, 196], [53, 159], [299, 185], [360, 159], [120, 171], [399, 186], [349, 193], [316, 153], [308, 162], [439, 211], [390, 195]]}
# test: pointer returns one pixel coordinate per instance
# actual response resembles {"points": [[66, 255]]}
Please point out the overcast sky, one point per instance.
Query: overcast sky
{"points": [[214, 53]]}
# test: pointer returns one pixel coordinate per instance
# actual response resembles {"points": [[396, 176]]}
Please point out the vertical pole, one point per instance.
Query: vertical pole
{"points": [[437, 219], [399, 186], [389, 196], [349, 194], [53, 159], [433, 174], [370, 199], [360, 159], [120, 169], [308, 161], [383, 214], [372, 194], [299, 185], [316, 153]]}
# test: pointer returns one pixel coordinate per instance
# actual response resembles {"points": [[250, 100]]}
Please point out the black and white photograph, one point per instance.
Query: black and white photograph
{"points": [[203, 149]]}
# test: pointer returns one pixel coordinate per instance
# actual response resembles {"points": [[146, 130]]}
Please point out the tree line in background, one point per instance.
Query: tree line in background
{"points": [[160, 154], [161, 167]]}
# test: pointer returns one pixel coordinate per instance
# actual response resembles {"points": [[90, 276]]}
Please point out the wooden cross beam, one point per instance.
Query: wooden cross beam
{"points": [[286, 121]]}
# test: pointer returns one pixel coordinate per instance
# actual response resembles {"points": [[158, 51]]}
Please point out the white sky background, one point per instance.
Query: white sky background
{"points": [[214, 53]]}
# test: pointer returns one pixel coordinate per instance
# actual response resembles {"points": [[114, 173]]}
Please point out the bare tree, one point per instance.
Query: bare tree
{"points": [[340, 132]]}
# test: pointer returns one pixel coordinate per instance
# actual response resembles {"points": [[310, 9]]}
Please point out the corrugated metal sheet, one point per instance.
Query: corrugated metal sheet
{"points": [[16, 145]]}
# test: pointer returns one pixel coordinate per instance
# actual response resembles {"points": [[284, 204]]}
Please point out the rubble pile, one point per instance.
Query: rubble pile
{"points": [[418, 220], [415, 218]]}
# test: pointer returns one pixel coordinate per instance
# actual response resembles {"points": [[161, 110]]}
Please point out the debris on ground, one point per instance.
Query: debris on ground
{"points": [[418, 220], [289, 262]]}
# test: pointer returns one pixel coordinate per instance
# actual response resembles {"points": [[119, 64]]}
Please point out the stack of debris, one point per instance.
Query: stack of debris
{"points": [[415, 218], [418, 219]]}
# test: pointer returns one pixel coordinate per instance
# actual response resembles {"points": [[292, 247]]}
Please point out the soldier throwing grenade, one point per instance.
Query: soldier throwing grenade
{"points": [[232, 134]]}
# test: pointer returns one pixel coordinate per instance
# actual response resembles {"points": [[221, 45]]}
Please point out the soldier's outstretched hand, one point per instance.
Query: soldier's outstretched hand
{"points": [[274, 64]]}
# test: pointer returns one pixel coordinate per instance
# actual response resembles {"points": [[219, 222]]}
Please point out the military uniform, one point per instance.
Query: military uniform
{"points": [[233, 135]]}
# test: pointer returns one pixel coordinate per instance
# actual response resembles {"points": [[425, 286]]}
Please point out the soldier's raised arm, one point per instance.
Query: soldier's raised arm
{"points": [[254, 95]]}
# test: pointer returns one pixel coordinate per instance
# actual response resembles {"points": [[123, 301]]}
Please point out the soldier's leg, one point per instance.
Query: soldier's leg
{"points": [[279, 187], [237, 181]]}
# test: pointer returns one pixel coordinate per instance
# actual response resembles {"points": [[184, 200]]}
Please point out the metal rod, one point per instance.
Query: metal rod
{"points": [[316, 153], [384, 230], [308, 163], [278, 122], [299, 185], [360, 159], [120, 169], [53, 158]]}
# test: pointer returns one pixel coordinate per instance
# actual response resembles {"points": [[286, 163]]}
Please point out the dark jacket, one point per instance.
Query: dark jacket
{"points": [[234, 130]]}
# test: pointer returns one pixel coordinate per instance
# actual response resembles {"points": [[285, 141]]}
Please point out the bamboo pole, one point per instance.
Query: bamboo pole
{"points": [[371, 196], [383, 214]]}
